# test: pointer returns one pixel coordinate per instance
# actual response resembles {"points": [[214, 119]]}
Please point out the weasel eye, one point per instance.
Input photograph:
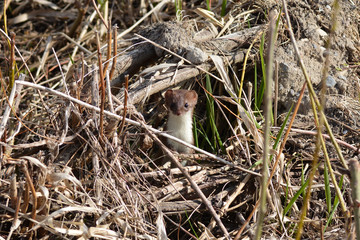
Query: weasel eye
{"points": [[186, 105]]}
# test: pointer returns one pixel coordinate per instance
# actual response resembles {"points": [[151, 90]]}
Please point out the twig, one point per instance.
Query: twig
{"points": [[355, 189], [108, 54], [32, 188], [108, 90], [77, 44], [125, 104], [12, 60], [114, 52], [13, 191], [100, 16], [45, 56], [10, 105], [267, 109], [102, 87], [276, 96]]}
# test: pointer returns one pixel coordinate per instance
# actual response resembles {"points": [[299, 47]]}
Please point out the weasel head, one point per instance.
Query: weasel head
{"points": [[180, 101]]}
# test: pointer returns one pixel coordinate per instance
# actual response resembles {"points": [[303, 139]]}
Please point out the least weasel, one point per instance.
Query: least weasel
{"points": [[180, 104]]}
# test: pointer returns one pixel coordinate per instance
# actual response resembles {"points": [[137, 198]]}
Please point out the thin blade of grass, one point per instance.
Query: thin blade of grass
{"points": [[260, 94], [327, 189], [295, 198], [335, 206], [223, 8], [210, 107], [278, 136], [267, 113]]}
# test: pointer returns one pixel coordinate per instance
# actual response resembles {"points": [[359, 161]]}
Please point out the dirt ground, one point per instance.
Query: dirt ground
{"points": [[69, 170]]}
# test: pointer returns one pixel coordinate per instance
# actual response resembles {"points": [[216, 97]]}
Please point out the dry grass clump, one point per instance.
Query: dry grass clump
{"points": [[80, 154]]}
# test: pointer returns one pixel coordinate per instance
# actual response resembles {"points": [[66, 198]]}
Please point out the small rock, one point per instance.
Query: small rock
{"points": [[330, 82], [292, 92], [342, 77], [321, 32], [195, 55], [284, 70], [342, 86]]}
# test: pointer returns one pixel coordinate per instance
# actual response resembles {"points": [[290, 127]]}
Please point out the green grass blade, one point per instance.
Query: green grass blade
{"points": [[278, 136], [178, 9], [336, 204], [286, 196], [210, 107], [210, 111], [191, 226], [223, 8], [206, 139], [255, 86], [208, 5], [295, 197], [263, 70], [302, 175]]}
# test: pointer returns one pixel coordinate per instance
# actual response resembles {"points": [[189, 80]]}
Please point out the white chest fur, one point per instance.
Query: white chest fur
{"points": [[180, 127]]}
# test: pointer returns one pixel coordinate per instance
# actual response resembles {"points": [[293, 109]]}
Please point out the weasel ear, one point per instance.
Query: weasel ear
{"points": [[168, 93], [194, 96], [168, 96]]}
